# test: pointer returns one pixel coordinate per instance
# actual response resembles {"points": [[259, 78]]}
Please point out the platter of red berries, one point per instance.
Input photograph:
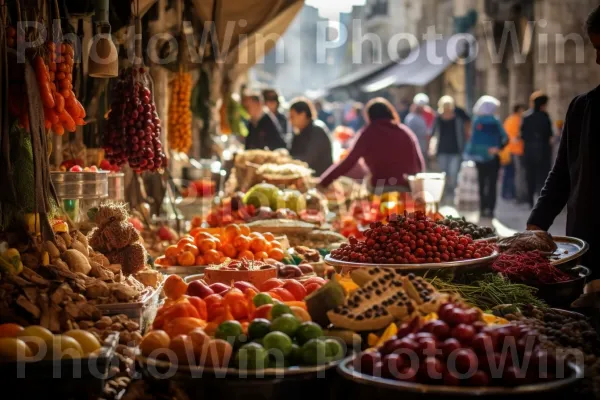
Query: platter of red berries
{"points": [[412, 241]]}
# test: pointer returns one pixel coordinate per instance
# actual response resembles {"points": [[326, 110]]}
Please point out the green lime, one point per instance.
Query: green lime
{"points": [[280, 309], [278, 362], [295, 356], [314, 352], [333, 350], [261, 299], [278, 344], [259, 328], [252, 356], [285, 323], [307, 331], [229, 331]]}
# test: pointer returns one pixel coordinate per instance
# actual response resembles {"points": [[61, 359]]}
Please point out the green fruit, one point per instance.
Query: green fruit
{"points": [[263, 195], [229, 331], [294, 200], [278, 344], [307, 331], [295, 356], [279, 309], [252, 356], [259, 341], [328, 297], [314, 352], [261, 299], [259, 328], [334, 350], [285, 323]]}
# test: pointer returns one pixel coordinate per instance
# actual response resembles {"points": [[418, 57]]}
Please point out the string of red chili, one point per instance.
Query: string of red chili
{"points": [[529, 267]]}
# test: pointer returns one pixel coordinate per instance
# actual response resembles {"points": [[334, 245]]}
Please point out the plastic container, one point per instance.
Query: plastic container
{"points": [[142, 312], [80, 191]]}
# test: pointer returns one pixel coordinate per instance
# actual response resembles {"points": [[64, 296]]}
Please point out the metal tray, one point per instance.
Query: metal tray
{"points": [[346, 370], [569, 249], [480, 262], [197, 371]]}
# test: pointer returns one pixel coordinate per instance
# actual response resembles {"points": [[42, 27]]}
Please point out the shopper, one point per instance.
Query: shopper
{"points": [[273, 105], [537, 134], [262, 130], [311, 142], [487, 141], [357, 122], [415, 121], [448, 140], [389, 149], [324, 116], [514, 183], [573, 179]]}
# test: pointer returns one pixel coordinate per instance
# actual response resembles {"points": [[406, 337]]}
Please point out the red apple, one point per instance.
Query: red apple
{"points": [[199, 289]]}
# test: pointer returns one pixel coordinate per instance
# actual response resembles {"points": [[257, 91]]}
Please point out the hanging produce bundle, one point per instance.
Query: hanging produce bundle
{"points": [[62, 110], [180, 115], [133, 129]]}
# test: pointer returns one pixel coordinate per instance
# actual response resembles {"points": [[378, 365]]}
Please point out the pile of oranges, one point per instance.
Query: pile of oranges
{"points": [[235, 242]]}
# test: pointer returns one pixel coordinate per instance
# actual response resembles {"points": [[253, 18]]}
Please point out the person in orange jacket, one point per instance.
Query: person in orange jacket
{"points": [[514, 184]]}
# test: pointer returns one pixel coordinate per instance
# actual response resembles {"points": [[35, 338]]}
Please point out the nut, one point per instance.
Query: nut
{"points": [[136, 337], [125, 338], [116, 327], [132, 326], [85, 324]]}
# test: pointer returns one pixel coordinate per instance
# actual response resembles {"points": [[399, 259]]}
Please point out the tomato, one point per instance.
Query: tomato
{"points": [[285, 294], [263, 311], [271, 284], [295, 288], [311, 287]]}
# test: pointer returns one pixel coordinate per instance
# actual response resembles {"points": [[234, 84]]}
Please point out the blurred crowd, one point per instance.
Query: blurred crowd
{"points": [[381, 145]]}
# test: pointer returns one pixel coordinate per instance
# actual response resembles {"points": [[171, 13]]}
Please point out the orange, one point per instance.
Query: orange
{"points": [[224, 259], [276, 254], [10, 330], [195, 231], [192, 249], [241, 243], [196, 221], [183, 241], [212, 257], [200, 260], [170, 261], [269, 236], [201, 236], [256, 235], [275, 244], [218, 353], [229, 250], [172, 251], [246, 254], [206, 245], [261, 255], [232, 231], [245, 230], [154, 340], [258, 244], [183, 325], [174, 287], [162, 260], [186, 259], [182, 346]]}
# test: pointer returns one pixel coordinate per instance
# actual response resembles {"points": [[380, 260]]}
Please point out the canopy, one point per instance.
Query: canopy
{"points": [[360, 75], [423, 64]]}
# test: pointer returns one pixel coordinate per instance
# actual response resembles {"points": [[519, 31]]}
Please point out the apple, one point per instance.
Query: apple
{"points": [[199, 289], [219, 288]]}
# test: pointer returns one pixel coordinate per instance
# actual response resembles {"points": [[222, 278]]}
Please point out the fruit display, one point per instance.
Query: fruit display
{"points": [[411, 239], [468, 228], [133, 128], [34, 343], [255, 272], [460, 350], [180, 116], [385, 296], [236, 242]]}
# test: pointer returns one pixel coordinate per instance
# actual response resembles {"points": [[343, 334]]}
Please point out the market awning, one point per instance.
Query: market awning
{"points": [[422, 65], [357, 77]]}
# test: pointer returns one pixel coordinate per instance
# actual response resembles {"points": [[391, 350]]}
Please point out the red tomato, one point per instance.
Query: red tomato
{"points": [[295, 288], [285, 294], [271, 284], [263, 311], [311, 287]]}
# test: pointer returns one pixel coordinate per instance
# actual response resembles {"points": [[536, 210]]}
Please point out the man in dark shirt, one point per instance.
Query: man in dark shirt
{"points": [[272, 103], [324, 116], [262, 128], [537, 133], [572, 181], [311, 142]]}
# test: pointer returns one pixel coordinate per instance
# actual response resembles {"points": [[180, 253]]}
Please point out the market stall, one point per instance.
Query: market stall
{"points": [[249, 282]]}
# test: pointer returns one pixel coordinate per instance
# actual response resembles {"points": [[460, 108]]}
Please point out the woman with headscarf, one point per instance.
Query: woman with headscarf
{"points": [[487, 140], [388, 148]]}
